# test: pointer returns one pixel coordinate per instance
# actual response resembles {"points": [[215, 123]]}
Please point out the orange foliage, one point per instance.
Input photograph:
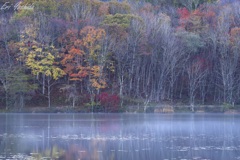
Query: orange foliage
{"points": [[79, 57], [75, 51], [91, 34], [103, 9], [235, 34], [72, 54], [149, 8]]}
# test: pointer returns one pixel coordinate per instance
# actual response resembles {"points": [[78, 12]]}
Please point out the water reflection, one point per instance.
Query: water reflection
{"points": [[119, 136]]}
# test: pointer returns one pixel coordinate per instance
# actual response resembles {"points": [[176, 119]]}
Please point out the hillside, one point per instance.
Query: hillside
{"points": [[104, 55]]}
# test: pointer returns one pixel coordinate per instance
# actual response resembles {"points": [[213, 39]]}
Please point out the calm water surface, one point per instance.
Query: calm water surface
{"points": [[120, 136]]}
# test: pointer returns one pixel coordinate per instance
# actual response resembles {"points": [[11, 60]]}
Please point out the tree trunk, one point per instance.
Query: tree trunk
{"points": [[43, 84], [49, 92], [6, 100], [21, 99]]}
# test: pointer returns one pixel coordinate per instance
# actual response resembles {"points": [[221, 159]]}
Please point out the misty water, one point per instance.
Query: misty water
{"points": [[120, 136]]}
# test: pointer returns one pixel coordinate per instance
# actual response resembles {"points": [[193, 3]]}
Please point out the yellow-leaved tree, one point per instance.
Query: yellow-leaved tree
{"points": [[40, 59]]}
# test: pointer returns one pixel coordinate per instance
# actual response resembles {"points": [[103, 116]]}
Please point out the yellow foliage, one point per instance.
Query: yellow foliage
{"points": [[48, 73], [38, 50], [98, 83], [40, 58], [95, 71]]}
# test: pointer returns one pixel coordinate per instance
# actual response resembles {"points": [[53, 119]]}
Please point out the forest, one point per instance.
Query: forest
{"points": [[104, 55]]}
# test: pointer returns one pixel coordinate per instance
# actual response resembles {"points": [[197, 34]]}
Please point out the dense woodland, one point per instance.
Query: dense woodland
{"points": [[107, 54]]}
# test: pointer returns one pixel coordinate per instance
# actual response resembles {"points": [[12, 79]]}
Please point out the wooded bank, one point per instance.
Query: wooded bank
{"points": [[100, 53]]}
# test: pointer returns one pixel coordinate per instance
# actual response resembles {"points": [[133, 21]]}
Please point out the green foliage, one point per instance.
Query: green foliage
{"points": [[93, 106], [82, 9], [191, 41], [116, 7], [52, 153], [17, 86], [179, 3], [227, 106], [122, 20], [23, 14], [45, 7], [90, 104], [150, 109], [48, 7], [20, 82]]}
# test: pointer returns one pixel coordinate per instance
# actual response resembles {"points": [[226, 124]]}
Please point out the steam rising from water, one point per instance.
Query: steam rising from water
{"points": [[120, 136]]}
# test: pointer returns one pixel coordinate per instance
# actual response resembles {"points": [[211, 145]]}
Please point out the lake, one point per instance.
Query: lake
{"points": [[120, 136]]}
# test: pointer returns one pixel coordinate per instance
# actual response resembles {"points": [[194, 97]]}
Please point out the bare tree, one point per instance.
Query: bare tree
{"points": [[228, 58], [6, 62], [196, 74]]}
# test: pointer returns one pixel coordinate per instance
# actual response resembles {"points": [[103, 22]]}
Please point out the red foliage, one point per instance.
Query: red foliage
{"points": [[109, 101], [211, 18], [203, 63], [184, 13], [149, 8], [198, 12]]}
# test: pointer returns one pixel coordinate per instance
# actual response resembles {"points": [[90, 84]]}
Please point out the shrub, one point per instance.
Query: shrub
{"points": [[110, 102]]}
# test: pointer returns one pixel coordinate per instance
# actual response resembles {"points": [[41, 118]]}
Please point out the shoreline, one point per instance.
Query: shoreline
{"points": [[132, 109]]}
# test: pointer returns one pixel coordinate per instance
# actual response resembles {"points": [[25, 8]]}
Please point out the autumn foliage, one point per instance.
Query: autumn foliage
{"points": [[184, 15], [110, 102], [143, 51], [80, 55]]}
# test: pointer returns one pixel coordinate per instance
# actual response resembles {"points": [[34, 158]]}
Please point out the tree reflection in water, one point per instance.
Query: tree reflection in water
{"points": [[119, 137]]}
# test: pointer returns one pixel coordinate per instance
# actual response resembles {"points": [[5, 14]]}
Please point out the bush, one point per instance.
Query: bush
{"points": [[110, 102], [150, 109]]}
